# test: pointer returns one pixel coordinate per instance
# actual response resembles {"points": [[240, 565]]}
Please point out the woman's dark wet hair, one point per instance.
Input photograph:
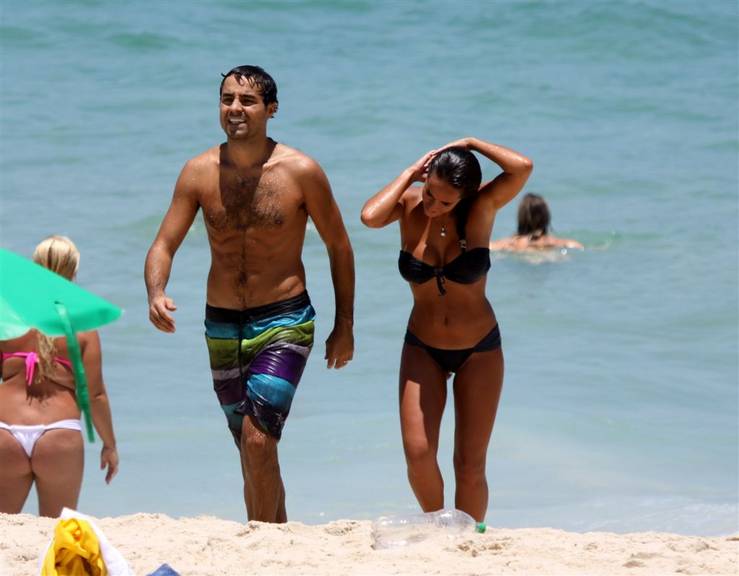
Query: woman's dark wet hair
{"points": [[533, 216], [460, 168], [256, 76]]}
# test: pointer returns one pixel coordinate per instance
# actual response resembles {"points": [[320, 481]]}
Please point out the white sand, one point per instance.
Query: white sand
{"points": [[209, 546]]}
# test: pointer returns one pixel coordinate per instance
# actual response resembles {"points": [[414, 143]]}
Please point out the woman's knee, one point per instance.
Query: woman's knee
{"points": [[469, 470], [418, 452]]}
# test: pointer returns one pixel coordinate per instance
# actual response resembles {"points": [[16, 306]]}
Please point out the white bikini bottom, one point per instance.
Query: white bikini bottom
{"points": [[27, 436]]}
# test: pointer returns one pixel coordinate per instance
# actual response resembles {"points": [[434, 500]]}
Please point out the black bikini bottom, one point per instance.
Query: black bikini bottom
{"points": [[452, 360]]}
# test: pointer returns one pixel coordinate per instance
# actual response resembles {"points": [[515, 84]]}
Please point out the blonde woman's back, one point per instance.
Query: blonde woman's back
{"points": [[40, 429]]}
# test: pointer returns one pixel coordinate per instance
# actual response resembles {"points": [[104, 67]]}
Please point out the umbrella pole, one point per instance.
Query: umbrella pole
{"points": [[81, 389]]}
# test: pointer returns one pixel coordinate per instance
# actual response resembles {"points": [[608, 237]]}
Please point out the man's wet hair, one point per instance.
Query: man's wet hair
{"points": [[258, 78]]}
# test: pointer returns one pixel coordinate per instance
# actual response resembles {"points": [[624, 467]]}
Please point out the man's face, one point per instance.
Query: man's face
{"points": [[243, 113]]}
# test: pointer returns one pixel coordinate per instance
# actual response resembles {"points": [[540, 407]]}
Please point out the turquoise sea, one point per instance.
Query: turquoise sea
{"points": [[619, 409]]}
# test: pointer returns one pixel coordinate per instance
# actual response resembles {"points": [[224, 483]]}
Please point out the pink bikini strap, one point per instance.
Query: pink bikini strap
{"points": [[31, 361]]}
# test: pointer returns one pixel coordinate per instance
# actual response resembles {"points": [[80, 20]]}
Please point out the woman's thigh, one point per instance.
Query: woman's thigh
{"points": [[58, 463], [422, 399], [477, 389], [16, 476]]}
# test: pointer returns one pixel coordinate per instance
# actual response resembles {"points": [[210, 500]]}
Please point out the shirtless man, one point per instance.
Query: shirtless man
{"points": [[256, 195]]}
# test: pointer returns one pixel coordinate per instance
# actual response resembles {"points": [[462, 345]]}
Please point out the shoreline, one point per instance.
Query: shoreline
{"points": [[206, 545]]}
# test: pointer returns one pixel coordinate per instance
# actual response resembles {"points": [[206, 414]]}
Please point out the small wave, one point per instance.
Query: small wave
{"points": [[289, 6], [143, 41], [537, 257], [593, 242], [144, 226], [16, 37]]}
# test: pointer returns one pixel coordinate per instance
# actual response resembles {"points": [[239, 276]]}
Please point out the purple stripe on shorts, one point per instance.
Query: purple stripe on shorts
{"points": [[280, 361], [229, 391]]}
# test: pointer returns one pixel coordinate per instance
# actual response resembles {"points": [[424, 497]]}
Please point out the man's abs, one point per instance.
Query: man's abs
{"points": [[238, 285], [256, 228]]}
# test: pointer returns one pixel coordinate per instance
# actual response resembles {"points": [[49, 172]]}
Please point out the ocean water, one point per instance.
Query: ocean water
{"points": [[619, 409]]}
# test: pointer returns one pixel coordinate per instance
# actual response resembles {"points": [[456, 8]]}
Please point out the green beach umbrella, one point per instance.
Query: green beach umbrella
{"points": [[33, 297]]}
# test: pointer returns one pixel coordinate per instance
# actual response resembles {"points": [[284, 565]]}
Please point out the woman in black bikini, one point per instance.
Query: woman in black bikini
{"points": [[445, 227]]}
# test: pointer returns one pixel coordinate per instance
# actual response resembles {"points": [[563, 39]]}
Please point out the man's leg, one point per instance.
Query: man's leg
{"points": [[248, 490], [275, 348], [264, 492]]}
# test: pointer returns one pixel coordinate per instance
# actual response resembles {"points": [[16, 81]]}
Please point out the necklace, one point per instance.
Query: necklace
{"points": [[442, 231]]}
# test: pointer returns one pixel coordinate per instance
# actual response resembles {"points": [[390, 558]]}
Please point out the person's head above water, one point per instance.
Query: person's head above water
{"points": [[533, 216], [258, 78], [58, 254], [453, 175]]}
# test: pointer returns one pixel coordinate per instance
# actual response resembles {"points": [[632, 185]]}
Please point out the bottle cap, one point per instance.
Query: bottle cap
{"points": [[480, 527]]}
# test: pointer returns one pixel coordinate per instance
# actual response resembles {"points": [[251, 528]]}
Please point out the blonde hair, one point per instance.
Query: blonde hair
{"points": [[60, 255]]}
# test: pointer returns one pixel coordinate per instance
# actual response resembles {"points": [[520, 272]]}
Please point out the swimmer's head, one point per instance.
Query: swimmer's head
{"points": [[533, 216], [258, 78], [58, 254]]}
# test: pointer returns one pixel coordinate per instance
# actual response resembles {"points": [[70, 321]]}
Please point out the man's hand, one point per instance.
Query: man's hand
{"points": [[159, 313], [339, 345]]}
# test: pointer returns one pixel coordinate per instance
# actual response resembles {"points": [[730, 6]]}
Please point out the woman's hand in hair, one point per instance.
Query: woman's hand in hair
{"points": [[419, 169]]}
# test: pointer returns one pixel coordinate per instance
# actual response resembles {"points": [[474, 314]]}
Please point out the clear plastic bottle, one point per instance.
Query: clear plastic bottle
{"points": [[403, 529]]}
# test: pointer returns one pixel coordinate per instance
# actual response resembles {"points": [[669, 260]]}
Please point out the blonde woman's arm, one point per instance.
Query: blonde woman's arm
{"points": [[99, 403]]}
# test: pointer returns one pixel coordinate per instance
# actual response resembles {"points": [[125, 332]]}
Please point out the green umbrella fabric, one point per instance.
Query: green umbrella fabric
{"points": [[33, 297], [29, 295]]}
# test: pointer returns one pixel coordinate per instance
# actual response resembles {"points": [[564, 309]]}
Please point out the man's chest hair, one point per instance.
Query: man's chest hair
{"points": [[247, 202]]}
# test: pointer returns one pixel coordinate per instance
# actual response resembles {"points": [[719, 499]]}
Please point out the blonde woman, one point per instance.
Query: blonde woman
{"points": [[40, 429]]}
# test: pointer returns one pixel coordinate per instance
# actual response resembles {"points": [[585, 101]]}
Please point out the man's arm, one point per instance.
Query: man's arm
{"points": [[158, 265], [324, 212]]}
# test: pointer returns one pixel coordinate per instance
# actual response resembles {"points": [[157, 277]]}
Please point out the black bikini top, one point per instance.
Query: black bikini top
{"points": [[467, 268]]}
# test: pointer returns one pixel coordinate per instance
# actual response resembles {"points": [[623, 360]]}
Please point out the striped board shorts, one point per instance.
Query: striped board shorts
{"points": [[257, 357]]}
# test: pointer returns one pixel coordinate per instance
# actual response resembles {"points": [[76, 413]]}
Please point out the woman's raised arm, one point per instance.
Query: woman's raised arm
{"points": [[386, 206], [516, 169]]}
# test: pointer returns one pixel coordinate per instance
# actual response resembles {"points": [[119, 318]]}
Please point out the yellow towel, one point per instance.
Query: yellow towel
{"points": [[74, 551]]}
